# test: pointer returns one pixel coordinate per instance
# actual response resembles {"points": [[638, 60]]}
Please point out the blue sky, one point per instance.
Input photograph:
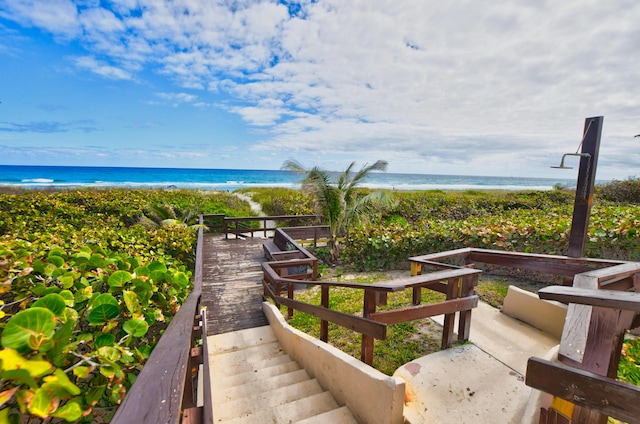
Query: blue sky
{"points": [[456, 87]]}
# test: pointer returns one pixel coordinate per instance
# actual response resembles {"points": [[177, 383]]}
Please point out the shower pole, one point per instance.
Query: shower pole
{"points": [[585, 187]]}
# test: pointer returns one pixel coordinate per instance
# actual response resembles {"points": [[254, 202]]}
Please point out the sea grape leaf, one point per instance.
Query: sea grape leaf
{"points": [[68, 297], [142, 271], [59, 385], [10, 360], [41, 404], [70, 412], [53, 302], [82, 371], [66, 281], [32, 326], [109, 353], [93, 395], [119, 278], [104, 298], [6, 395], [180, 279], [103, 313], [157, 266], [131, 301], [56, 260], [136, 327], [104, 340], [61, 339]]}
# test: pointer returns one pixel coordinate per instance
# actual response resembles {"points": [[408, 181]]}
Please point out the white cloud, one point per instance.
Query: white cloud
{"points": [[464, 86], [103, 69]]}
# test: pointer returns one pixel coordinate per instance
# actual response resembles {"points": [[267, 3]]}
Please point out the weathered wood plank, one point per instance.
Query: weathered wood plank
{"points": [[629, 301], [425, 279], [606, 395], [417, 312]]}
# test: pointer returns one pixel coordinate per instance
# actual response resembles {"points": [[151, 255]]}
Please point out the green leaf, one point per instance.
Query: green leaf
{"points": [[104, 340], [82, 371], [59, 385], [27, 328], [142, 271], [103, 313], [109, 353], [136, 327], [94, 394], [68, 297], [53, 302], [104, 298], [70, 411], [61, 339], [56, 260], [181, 280], [41, 404], [119, 278], [66, 281], [157, 266], [131, 301]]}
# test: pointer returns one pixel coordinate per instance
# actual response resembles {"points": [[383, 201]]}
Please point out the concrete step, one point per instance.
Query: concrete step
{"points": [[290, 412], [227, 366], [226, 363], [341, 415], [252, 376], [266, 384], [242, 339], [259, 401]]}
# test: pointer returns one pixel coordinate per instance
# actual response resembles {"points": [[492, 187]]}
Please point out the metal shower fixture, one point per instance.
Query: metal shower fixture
{"points": [[562, 166]]}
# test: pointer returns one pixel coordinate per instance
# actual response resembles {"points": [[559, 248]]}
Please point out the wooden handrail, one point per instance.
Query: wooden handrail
{"points": [[166, 386], [605, 395], [458, 286]]}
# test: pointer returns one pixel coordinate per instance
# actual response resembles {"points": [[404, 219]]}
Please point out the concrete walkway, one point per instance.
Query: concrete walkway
{"points": [[482, 382]]}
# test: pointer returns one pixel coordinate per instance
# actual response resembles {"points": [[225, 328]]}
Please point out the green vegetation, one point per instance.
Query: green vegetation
{"points": [[86, 292], [338, 200]]}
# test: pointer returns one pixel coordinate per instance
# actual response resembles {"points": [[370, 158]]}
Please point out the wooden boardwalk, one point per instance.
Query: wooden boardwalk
{"points": [[232, 283]]}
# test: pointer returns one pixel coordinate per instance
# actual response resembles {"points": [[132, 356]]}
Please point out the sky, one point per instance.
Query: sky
{"points": [[459, 87]]}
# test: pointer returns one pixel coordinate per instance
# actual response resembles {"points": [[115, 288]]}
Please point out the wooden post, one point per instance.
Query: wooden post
{"points": [[584, 188], [449, 319], [290, 296], [366, 353], [324, 325]]}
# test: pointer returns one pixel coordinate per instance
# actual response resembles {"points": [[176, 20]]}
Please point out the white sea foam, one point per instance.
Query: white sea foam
{"points": [[37, 180]]}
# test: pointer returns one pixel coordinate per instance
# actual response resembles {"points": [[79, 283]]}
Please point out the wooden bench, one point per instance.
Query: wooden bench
{"points": [[310, 235], [284, 248]]}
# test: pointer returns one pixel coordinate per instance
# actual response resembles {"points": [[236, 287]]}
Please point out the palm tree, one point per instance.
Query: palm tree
{"points": [[338, 201]]}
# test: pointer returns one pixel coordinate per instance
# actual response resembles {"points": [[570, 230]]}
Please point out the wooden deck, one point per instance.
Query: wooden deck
{"points": [[232, 283]]}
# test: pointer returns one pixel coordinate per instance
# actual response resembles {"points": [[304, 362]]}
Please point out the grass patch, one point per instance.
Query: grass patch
{"points": [[405, 341], [492, 291]]}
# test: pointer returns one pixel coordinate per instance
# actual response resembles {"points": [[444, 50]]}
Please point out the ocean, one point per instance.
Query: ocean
{"points": [[232, 179]]}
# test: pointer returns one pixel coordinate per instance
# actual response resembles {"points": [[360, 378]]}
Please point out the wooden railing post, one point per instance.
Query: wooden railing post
{"points": [[324, 325], [369, 308]]}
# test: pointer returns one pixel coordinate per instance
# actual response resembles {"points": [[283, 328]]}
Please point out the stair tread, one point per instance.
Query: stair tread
{"points": [[268, 383], [340, 415], [290, 412], [241, 339], [223, 369], [262, 400], [253, 353], [251, 376]]}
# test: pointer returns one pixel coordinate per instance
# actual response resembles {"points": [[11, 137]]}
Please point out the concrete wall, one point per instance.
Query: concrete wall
{"points": [[372, 396], [542, 314]]}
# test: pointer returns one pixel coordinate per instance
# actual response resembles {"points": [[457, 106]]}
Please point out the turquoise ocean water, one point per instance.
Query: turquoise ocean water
{"points": [[232, 179]]}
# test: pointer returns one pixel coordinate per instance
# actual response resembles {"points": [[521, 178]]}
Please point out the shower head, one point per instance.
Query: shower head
{"points": [[562, 166]]}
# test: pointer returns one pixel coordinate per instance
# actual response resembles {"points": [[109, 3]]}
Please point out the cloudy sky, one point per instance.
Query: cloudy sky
{"points": [[436, 87]]}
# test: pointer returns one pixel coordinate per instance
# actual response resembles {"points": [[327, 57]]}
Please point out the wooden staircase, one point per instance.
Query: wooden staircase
{"points": [[254, 381]]}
